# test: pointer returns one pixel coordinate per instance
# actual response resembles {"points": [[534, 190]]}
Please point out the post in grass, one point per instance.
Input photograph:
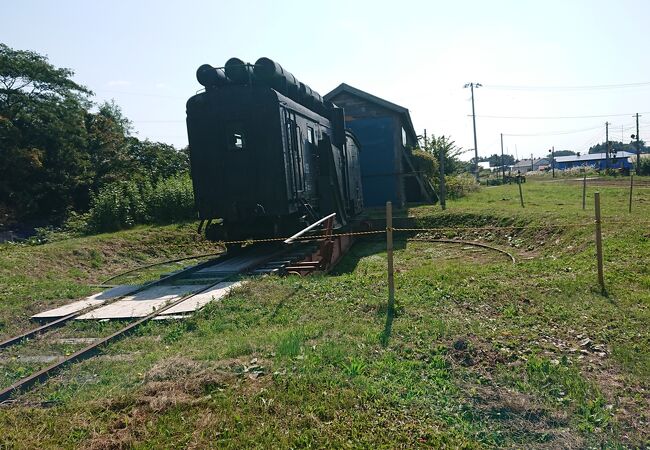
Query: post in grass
{"points": [[521, 194], [599, 243], [584, 190], [389, 251], [631, 188]]}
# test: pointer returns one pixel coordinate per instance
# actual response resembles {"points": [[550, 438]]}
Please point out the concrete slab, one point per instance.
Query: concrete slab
{"points": [[93, 300], [198, 301], [141, 304], [76, 341], [32, 359]]}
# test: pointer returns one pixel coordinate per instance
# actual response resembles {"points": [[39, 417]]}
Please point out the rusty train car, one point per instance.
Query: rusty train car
{"points": [[267, 154]]}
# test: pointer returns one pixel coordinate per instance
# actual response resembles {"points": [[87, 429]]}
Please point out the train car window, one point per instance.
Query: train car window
{"points": [[238, 141], [310, 134], [235, 137]]}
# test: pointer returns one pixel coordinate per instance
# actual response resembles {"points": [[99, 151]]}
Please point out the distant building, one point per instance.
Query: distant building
{"points": [[617, 160], [386, 135], [526, 165]]}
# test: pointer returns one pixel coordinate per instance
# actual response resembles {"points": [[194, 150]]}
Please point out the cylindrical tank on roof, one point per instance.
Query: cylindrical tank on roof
{"points": [[267, 72], [238, 71], [310, 98], [209, 76], [305, 91], [273, 74]]}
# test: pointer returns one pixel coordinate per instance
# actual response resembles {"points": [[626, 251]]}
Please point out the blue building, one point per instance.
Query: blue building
{"points": [[386, 135], [617, 160]]}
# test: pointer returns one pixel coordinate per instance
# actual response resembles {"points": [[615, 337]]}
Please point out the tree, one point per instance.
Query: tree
{"points": [[449, 149], [43, 165], [617, 146], [558, 153], [157, 161], [55, 153], [107, 145]]}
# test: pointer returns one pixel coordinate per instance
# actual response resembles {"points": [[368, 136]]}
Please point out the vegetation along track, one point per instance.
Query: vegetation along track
{"points": [[210, 273]]}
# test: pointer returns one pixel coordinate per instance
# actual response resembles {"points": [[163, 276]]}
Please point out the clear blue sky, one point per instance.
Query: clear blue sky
{"points": [[144, 55]]}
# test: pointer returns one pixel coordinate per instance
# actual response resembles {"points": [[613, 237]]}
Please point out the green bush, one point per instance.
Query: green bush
{"points": [[644, 167], [119, 205], [460, 185], [124, 204], [426, 164], [172, 199]]}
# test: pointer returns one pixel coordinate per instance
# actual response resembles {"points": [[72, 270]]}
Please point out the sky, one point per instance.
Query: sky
{"points": [[541, 63]]}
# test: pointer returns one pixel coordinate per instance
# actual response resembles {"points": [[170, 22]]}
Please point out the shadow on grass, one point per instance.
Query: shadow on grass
{"points": [[283, 301], [388, 327], [363, 248]]}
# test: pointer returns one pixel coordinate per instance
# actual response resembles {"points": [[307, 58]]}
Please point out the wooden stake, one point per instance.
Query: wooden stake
{"points": [[599, 243], [631, 187], [521, 194], [389, 250], [584, 190], [443, 194]]}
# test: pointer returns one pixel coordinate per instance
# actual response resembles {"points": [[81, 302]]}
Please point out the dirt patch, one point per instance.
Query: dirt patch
{"points": [[630, 401], [176, 383], [472, 352], [524, 419]]}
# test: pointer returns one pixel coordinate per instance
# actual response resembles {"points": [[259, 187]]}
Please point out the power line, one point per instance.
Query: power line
{"points": [[559, 117], [594, 139], [568, 88], [158, 121], [554, 133], [142, 94]]}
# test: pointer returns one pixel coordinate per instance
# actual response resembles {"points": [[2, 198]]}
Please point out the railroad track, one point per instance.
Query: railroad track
{"points": [[206, 276]]}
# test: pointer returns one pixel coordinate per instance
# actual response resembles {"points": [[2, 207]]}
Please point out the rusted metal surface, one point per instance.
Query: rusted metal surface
{"points": [[331, 250]]}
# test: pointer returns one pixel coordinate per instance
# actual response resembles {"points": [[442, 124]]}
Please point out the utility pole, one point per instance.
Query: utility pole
{"points": [[472, 86], [606, 145], [503, 167], [638, 146], [532, 166], [553, 160], [443, 194]]}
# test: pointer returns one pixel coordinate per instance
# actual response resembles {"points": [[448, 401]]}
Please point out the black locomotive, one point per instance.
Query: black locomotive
{"points": [[268, 155]]}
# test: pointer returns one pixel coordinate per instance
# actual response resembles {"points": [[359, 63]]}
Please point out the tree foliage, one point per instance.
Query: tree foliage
{"points": [[425, 164], [42, 134], [451, 152], [558, 153], [618, 146], [57, 149]]}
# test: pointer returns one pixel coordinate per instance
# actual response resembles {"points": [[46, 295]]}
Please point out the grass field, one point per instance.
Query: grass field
{"points": [[481, 352]]}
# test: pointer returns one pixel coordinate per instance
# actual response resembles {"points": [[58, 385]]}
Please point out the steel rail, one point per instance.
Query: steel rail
{"points": [[87, 352], [59, 322]]}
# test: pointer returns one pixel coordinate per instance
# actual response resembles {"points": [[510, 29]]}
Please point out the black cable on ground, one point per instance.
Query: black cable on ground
{"points": [[161, 263], [476, 244]]}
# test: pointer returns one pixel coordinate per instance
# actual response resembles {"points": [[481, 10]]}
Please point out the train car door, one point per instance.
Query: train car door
{"points": [[295, 162]]}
